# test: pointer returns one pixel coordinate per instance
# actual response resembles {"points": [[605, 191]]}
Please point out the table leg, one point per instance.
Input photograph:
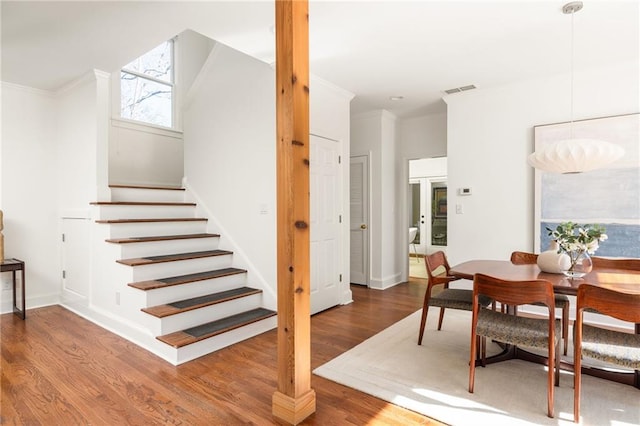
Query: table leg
{"points": [[21, 312]]}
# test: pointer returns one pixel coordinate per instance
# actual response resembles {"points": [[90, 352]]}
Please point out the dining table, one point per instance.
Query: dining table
{"points": [[623, 280]]}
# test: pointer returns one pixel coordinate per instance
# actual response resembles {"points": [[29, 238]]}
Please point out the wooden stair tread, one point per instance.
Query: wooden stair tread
{"points": [[141, 203], [214, 328], [172, 257], [159, 238], [183, 279], [170, 188], [178, 307], [168, 219]]}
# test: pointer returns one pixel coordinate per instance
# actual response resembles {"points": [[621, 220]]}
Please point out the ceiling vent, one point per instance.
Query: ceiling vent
{"points": [[459, 89]]}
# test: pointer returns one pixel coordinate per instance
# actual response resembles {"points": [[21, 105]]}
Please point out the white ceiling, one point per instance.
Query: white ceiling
{"points": [[374, 49]]}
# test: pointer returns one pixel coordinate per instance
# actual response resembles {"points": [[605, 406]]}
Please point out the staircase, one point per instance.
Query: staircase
{"points": [[184, 289]]}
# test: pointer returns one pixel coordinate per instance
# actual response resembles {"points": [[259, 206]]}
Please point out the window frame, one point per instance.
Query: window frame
{"points": [[171, 83]]}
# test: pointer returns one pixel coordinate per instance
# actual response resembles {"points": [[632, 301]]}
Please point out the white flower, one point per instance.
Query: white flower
{"points": [[592, 246]]}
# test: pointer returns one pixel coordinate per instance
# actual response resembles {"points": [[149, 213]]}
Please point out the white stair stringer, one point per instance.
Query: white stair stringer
{"points": [[117, 304]]}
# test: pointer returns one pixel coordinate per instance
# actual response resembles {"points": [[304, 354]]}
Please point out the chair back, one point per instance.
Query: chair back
{"points": [[523, 258], [624, 264], [623, 306], [435, 261], [515, 293]]}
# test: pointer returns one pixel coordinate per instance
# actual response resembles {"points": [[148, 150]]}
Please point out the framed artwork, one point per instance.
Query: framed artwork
{"points": [[439, 201], [609, 196]]}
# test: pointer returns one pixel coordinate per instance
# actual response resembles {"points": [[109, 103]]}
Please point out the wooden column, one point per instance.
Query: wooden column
{"points": [[294, 400]]}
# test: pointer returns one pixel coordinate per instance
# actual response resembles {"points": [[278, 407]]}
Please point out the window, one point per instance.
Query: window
{"points": [[147, 87]]}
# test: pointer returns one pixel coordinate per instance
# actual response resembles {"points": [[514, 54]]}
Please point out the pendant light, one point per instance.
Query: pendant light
{"points": [[574, 155]]}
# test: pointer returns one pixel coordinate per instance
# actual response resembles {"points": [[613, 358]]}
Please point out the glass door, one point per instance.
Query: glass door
{"points": [[438, 234], [418, 215]]}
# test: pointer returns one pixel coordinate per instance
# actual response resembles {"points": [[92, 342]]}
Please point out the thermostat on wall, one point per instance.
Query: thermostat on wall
{"points": [[464, 191]]}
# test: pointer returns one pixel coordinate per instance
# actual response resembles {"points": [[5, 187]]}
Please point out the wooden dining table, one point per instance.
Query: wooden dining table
{"points": [[627, 281]]}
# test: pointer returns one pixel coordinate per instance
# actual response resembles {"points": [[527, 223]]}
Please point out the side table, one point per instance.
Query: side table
{"points": [[14, 265]]}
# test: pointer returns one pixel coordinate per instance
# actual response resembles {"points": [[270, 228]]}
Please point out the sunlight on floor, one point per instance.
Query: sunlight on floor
{"points": [[417, 268]]}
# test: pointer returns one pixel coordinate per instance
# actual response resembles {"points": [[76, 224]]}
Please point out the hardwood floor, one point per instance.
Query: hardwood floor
{"points": [[59, 369]]}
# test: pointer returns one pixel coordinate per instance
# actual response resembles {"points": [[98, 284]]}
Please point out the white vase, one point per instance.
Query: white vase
{"points": [[553, 262]]}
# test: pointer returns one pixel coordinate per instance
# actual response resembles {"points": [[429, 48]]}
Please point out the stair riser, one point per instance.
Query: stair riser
{"points": [[151, 229], [182, 267], [198, 349], [162, 296], [146, 195], [157, 248], [196, 317], [143, 212]]}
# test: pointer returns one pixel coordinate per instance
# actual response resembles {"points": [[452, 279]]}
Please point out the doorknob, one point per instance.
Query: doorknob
{"points": [[363, 226]]}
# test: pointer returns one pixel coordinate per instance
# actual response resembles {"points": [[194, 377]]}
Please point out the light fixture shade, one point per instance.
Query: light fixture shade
{"points": [[575, 155]]}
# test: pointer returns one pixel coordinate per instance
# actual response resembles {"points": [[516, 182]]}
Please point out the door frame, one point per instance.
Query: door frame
{"points": [[404, 190]]}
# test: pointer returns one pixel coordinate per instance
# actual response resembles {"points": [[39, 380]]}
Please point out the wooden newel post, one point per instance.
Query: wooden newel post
{"points": [[294, 400]]}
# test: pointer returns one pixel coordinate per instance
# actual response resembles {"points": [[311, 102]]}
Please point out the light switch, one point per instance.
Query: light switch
{"points": [[263, 209], [459, 208]]}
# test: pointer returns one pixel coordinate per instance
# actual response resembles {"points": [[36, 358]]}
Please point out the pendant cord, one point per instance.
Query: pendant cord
{"points": [[572, 60]]}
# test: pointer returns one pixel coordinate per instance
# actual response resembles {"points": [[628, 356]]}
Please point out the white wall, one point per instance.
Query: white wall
{"points": [[490, 134], [50, 146], [144, 155], [422, 137], [230, 153], [192, 50], [418, 137], [391, 143], [428, 167], [329, 117], [374, 134], [30, 191], [75, 140]]}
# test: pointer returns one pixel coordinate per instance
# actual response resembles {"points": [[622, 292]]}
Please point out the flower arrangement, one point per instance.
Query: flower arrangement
{"points": [[572, 237], [578, 241]]}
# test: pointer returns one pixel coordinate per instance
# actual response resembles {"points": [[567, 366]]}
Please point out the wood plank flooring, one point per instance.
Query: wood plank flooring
{"points": [[59, 369]]}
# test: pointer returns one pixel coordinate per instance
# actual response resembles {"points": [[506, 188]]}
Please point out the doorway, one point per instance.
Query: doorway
{"points": [[427, 210]]}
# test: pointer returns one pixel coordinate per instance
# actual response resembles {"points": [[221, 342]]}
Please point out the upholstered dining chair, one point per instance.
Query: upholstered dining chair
{"points": [[513, 329], [562, 301], [615, 347], [438, 275]]}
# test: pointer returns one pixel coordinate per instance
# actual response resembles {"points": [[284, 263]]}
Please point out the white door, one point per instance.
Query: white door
{"points": [[326, 242], [359, 196], [75, 256]]}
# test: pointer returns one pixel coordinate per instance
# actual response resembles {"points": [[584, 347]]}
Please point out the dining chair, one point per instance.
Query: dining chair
{"points": [[438, 275], [562, 301], [625, 264], [513, 329], [604, 344], [617, 263]]}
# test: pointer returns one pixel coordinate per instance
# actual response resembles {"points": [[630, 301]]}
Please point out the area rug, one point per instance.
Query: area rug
{"points": [[432, 379]]}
